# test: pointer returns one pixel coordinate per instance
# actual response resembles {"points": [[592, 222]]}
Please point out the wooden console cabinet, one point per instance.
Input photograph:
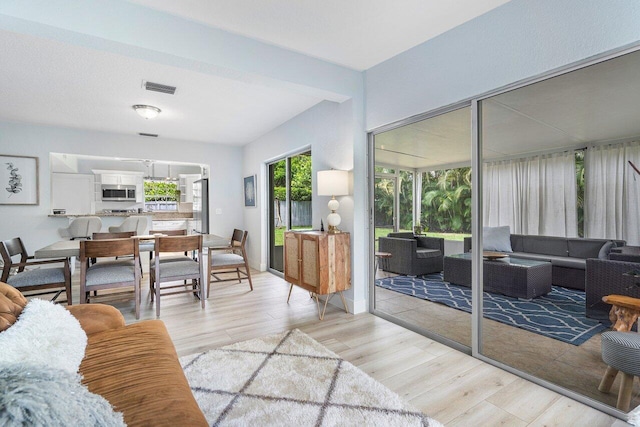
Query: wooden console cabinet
{"points": [[318, 262]]}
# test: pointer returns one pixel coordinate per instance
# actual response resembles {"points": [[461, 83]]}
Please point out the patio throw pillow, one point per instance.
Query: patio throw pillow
{"points": [[33, 395], [45, 334], [496, 239]]}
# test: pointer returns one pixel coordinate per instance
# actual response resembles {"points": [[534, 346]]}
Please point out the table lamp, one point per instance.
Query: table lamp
{"points": [[333, 183]]}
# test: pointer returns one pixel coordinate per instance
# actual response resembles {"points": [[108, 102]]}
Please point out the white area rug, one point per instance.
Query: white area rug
{"points": [[289, 379]]}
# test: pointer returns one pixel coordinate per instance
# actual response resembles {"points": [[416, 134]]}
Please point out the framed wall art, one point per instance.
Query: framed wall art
{"points": [[250, 191], [18, 180]]}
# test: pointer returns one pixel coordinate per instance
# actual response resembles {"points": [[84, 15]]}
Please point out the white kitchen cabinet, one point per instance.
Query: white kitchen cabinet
{"points": [[120, 179], [186, 186], [180, 224], [72, 192]]}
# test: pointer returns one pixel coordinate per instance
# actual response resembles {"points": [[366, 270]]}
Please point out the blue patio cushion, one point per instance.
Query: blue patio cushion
{"points": [[427, 253], [40, 276], [104, 274], [220, 260], [546, 245], [179, 268]]}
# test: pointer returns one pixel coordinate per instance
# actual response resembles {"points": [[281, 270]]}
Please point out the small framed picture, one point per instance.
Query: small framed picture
{"points": [[250, 191], [18, 180]]}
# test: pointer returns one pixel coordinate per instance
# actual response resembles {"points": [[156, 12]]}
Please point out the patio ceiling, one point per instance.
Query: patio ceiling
{"points": [[592, 105]]}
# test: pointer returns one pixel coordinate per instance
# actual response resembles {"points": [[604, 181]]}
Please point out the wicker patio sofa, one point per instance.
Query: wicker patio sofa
{"points": [[412, 255], [567, 255], [607, 277]]}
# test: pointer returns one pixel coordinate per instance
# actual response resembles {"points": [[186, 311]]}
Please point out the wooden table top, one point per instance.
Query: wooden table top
{"points": [[622, 301]]}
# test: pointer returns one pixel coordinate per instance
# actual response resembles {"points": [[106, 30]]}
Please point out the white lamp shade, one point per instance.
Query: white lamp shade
{"points": [[333, 183]]}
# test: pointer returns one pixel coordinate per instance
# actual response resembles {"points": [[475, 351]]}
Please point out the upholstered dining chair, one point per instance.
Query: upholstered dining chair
{"points": [[181, 232], [109, 274], [81, 228], [139, 224], [38, 281], [232, 260], [176, 269]]}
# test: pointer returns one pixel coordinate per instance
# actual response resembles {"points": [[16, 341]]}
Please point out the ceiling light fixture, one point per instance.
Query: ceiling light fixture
{"points": [[147, 111]]}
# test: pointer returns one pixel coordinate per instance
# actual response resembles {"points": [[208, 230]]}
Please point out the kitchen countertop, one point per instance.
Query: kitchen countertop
{"points": [[155, 216]]}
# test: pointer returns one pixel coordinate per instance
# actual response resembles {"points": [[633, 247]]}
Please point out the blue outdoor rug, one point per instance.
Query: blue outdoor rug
{"points": [[560, 314]]}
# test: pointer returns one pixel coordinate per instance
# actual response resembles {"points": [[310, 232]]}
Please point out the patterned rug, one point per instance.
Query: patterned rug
{"points": [[291, 380], [560, 314]]}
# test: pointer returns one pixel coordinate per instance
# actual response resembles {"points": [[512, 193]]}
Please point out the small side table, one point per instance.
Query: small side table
{"points": [[382, 258], [624, 311]]}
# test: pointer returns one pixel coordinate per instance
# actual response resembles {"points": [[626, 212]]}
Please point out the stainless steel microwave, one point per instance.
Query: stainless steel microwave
{"points": [[119, 193]]}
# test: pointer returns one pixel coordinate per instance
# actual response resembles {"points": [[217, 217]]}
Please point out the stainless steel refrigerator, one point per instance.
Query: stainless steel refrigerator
{"points": [[201, 206]]}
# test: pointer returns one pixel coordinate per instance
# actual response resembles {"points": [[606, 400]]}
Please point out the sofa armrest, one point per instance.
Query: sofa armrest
{"points": [[96, 318], [431, 243]]}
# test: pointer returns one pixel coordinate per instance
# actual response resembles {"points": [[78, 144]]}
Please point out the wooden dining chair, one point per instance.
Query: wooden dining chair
{"points": [[110, 274], [34, 281], [177, 269], [181, 232], [233, 259]]}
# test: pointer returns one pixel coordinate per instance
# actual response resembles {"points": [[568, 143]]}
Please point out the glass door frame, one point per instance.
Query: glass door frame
{"points": [[477, 221], [287, 219]]}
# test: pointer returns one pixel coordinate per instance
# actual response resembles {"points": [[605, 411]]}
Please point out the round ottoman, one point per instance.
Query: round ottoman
{"points": [[621, 352]]}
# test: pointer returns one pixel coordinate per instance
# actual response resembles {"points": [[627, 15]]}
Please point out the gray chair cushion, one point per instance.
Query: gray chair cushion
{"points": [[174, 259], [427, 253], [220, 260], [621, 350], [568, 262], [41, 276], [179, 268], [103, 274]]}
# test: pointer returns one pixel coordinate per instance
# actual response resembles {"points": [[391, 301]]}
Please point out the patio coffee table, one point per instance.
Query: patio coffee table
{"points": [[514, 277]]}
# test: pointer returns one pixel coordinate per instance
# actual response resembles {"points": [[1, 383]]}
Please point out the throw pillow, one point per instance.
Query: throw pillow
{"points": [[45, 334], [496, 239], [606, 249], [33, 395]]}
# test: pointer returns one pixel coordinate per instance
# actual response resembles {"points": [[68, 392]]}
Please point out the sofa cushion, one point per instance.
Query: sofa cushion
{"points": [[546, 245], [585, 248], [402, 235], [535, 257], [423, 253], [568, 262], [45, 334], [36, 395], [606, 249], [136, 369], [516, 242], [496, 239]]}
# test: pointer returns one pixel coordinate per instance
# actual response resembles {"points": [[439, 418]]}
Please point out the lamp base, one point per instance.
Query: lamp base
{"points": [[333, 230]]}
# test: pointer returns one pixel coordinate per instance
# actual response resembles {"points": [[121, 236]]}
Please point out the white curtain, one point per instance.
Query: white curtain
{"points": [[612, 192], [535, 195]]}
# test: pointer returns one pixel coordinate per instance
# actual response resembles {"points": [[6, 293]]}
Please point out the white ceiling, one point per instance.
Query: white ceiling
{"points": [[593, 105], [355, 33], [55, 83]]}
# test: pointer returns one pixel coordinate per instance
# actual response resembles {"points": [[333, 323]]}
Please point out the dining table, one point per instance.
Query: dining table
{"points": [[71, 248]]}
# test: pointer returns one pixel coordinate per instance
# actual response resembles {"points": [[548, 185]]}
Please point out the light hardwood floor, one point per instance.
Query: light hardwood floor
{"points": [[450, 386]]}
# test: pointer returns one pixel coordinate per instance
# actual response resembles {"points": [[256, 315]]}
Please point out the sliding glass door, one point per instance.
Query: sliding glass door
{"points": [[422, 211], [555, 220], [289, 202]]}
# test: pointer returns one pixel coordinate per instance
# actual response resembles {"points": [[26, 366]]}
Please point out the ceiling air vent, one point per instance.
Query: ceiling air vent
{"points": [[152, 135], [157, 87]]}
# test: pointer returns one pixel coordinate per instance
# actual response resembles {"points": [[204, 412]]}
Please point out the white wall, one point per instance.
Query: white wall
{"points": [[328, 129], [32, 224], [518, 40]]}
